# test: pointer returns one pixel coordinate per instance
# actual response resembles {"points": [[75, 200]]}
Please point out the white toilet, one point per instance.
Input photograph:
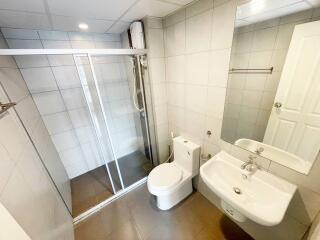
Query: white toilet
{"points": [[172, 182]]}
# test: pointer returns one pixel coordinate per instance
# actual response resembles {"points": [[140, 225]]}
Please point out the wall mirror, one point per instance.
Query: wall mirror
{"points": [[272, 106]]}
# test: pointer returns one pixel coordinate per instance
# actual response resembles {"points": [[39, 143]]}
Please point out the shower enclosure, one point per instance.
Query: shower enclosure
{"points": [[96, 105]]}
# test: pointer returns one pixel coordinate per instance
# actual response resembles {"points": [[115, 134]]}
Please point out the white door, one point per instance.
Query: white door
{"points": [[295, 126]]}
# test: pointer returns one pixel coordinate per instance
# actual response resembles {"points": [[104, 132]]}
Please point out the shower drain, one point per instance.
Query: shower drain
{"points": [[237, 190]]}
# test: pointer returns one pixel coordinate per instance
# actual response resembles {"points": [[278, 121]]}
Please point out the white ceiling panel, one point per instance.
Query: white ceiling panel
{"points": [[23, 5], [26, 20], [119, 27], [278, 12], [97, 9], [256, 7], [262, 10], [71, 24], [149, 8]]}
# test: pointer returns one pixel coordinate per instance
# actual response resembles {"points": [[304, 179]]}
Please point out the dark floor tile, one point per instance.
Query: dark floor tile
{"points": [[135, 216]]}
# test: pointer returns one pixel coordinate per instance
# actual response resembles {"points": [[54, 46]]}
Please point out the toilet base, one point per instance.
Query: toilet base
{"points": [[165, 202]]}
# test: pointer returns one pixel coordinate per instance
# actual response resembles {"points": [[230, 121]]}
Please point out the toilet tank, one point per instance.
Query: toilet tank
{"points": [[186, 155]]}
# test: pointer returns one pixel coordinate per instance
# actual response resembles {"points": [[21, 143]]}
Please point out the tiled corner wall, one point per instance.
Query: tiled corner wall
{"points": [[56, 89], [198, 42], [26, 189], [197, 53], [250, 97], [156, 61]]}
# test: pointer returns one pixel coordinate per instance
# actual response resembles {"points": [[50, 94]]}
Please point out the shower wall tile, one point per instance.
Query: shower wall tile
{"points": [[22, 44], [49, 102], [65, 140], [55, 44], [57, 123], [53, 35], [39, 79], [25, 188], [80, 117], [32, 61], [73, 98], [66, 77], [156, 42], [175, 39], [13, 83], [20, 33]]}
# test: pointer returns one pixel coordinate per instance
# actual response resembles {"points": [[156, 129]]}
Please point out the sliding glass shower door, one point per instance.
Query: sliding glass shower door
{"points": [[114, 90]]}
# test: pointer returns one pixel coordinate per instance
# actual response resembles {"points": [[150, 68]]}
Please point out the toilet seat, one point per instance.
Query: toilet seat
{"points": [[165, 176]]}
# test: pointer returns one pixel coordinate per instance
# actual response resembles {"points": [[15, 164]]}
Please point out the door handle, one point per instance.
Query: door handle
{"points": [[277, 105]]}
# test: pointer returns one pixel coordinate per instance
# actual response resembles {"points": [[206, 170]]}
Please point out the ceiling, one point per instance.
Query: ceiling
{"points": [[113, 16], [261, 10]]}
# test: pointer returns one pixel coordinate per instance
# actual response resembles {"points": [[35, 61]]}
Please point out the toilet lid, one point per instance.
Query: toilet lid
{"points": [[165, 176]]}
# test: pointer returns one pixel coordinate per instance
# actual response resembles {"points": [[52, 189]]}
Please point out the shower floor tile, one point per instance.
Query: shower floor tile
{"points": [[89, 189], [93, 187], [135, 216]]}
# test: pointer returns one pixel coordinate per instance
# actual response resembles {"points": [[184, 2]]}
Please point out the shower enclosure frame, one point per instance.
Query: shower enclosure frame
{"points": [[137, 53]]}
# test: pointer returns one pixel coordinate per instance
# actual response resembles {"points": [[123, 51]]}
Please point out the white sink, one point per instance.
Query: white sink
{"points": [[264, 198], [275, 154]]}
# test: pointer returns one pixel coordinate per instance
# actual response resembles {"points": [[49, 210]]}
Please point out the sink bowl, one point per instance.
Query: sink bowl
{"points": [[259, 196]]}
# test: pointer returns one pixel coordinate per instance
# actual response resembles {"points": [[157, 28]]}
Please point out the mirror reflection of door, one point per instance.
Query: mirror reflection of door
{"points": [[272, 105], [295, 125]]}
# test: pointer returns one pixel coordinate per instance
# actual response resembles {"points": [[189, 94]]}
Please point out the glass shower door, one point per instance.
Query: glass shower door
{"points": [[122, 99], [98, 117]]}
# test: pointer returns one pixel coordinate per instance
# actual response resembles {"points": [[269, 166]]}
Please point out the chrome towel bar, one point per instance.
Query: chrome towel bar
{"points": [[251, 70]]}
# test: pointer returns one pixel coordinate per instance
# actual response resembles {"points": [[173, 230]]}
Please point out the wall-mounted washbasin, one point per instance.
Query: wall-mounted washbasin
{"points": [[259, 196]]}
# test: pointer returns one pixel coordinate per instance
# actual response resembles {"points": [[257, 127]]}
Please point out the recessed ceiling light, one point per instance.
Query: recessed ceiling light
{"points": [[83, 26]]}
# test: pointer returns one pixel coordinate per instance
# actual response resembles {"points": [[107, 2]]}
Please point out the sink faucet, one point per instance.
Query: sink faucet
{"points": [[259, 150], [250, 165]]}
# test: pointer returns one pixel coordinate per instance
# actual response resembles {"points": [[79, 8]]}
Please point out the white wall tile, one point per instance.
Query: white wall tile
{"points": [[219, 67], [158, 70], [156, 42], [198, 7], [216, 97], [197, 68], [54, 44], [49, 102], [73, 98], [176, 69], [65, 140], [223, 16], [195, 98], [13, 83], [39, 79], [53, 35], [66, 77], [198, 32], [79, 117], [175, 39], [264, 39], [176, 94], [57, 123], [31, 61], [21, 44]]}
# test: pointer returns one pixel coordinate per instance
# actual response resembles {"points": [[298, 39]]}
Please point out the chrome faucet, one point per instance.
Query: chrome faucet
{"points": [[259, 150], [250, 165]]}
